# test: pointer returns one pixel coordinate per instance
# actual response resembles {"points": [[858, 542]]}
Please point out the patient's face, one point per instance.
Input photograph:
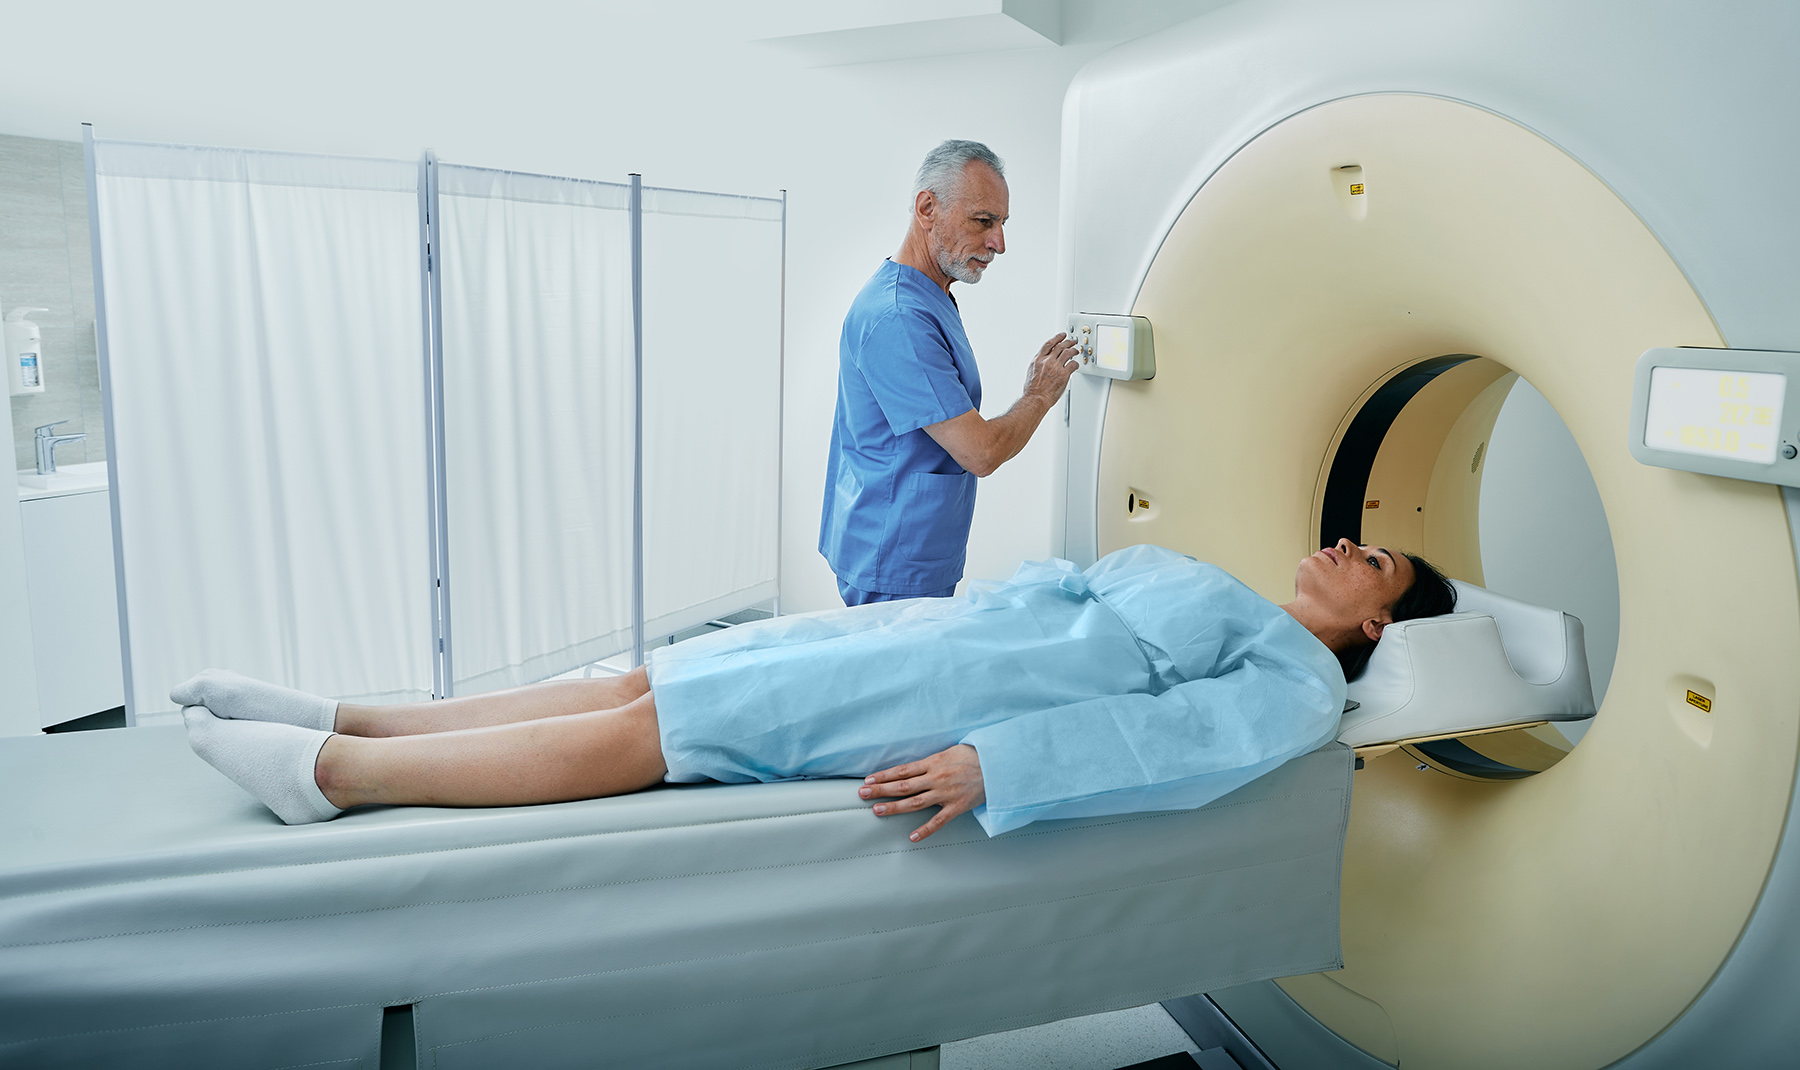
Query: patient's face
{"points": [[1356, 583]]}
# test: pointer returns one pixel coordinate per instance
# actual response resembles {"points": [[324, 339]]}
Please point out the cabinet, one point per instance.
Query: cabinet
{"points": [[74, 603]]}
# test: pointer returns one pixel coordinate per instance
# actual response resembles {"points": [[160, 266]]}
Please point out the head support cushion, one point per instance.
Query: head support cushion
{"points": [[1496, 661]]}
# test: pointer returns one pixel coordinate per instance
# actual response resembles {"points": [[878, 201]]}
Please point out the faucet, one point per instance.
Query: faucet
{"points": [[47, 443]]}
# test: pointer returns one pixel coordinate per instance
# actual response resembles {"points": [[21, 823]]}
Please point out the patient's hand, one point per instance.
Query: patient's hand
{"points": [[949, 779]]}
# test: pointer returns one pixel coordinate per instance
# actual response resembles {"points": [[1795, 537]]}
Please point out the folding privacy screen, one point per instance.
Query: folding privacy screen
{"points": [[386, 430]]}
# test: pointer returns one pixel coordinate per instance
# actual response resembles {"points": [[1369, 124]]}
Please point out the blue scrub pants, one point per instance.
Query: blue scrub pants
{"points": [[854, 597]]}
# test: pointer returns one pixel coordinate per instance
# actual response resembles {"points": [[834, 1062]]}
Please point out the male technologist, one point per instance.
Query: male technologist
{"points": [[909, 440]]}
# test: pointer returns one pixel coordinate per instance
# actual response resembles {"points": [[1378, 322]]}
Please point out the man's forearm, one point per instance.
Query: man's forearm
{"points": [[981, 446], [1012, 429]]}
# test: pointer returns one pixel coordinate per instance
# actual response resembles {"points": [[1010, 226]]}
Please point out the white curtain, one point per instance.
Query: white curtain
{"points": [[712, 403], [536, 296], [265, 341]]}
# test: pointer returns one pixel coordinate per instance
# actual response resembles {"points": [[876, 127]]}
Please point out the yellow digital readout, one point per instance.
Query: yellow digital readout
{"points": [[1716, 413], [1112, 347]]}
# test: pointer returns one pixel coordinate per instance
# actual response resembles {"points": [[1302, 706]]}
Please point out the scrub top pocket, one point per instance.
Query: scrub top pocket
{"points": [[930, 525]]}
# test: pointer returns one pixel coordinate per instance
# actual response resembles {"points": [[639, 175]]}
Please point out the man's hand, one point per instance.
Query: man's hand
{"points": [[949, 779], [1049, 373]]}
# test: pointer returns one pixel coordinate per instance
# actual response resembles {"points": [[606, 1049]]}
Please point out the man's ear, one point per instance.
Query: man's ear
{"points": [[1372, 628], [925, 206]]}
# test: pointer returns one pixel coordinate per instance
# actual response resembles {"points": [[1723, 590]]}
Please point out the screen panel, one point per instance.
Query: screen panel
{"points": [[1718, 412], [265, 344], [538, 410], [712, 405]]}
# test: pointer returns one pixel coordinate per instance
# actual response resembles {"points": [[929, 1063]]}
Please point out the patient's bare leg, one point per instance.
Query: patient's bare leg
{"points": [[553, 698], [544, 758], [236, 697]]}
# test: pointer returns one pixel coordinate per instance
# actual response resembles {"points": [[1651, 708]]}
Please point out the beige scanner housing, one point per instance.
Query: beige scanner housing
{"points": [[1282, 301]]}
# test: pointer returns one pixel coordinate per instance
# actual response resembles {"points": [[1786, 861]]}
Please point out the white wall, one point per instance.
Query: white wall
{"points": [[677, 91]]}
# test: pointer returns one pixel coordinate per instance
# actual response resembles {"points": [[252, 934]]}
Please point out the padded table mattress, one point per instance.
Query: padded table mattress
{"points": [[152, 914]]}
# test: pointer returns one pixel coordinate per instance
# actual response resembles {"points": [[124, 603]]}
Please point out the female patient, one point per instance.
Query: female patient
{"points": [[1148, 682]]}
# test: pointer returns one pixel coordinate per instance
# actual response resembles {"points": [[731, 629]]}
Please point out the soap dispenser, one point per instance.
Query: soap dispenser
{"points": [[24, 353]]}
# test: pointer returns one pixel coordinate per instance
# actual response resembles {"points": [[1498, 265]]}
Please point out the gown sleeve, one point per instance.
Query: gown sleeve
{"points": [[1179, 749]]}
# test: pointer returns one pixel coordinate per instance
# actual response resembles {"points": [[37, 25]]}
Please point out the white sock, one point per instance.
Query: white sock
{"points": [[273, 762], [227, 694]]}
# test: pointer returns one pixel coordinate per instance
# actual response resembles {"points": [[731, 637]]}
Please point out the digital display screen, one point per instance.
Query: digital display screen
{"points": [[1112, 347], [1716, 413]]}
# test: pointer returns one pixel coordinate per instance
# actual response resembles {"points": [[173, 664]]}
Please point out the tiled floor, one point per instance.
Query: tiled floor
{"points": [[1096, 1042]]}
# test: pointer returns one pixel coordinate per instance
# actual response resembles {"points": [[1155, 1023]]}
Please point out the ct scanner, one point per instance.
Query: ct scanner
{"points": [[1350, 227], [1550, 189]]}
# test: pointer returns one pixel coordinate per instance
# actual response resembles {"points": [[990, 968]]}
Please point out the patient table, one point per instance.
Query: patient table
{"points": [[152, 914]]}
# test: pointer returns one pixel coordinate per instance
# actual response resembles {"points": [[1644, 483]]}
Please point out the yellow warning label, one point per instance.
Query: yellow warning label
{"points": [[1356, 189], [1699, 701], [1372, 503]]}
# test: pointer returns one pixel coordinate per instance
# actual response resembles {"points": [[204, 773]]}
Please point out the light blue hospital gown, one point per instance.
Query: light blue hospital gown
{"points": [[1150, 681]]}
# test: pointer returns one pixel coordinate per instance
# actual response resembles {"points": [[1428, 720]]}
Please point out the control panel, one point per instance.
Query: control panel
{"points": [[1116, 347], [1720, 412]]}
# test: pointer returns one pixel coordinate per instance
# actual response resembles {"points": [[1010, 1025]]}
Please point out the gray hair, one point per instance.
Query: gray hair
{"points": [[942, 171]]}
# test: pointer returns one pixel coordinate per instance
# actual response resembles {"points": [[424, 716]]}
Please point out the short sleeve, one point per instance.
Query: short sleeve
{"points": [[907, 363]]}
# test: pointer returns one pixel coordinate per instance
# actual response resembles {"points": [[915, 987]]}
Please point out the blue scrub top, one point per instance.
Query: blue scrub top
{"points": [[897, 505]]}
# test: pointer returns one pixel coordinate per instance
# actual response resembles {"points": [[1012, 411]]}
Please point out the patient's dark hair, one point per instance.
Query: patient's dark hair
{"points": [[1429, 596]]}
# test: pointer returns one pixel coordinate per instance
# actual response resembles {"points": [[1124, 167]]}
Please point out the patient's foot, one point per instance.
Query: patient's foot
{"points": [[227, 694], [273, 762]]}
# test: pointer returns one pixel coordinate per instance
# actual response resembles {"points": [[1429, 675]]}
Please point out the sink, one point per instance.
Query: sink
{"points": [[67, 479]]}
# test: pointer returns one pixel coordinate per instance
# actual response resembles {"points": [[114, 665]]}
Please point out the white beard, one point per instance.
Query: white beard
{"points": [[967, 270]]}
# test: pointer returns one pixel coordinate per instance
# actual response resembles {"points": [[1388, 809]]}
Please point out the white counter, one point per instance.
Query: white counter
{"points": [[67, 479]]}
